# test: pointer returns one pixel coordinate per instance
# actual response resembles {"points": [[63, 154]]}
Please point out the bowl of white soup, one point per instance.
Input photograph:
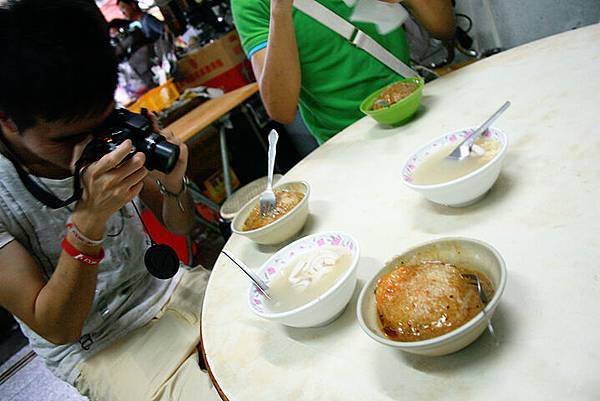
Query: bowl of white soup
{"points": [[310, 281], [452, 182]]}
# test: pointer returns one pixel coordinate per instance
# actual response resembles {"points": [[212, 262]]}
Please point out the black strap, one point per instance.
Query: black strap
{"points": [[46, 197], [34, 188]]}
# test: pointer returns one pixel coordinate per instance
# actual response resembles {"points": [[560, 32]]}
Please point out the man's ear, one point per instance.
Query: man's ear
{"points": [[7, 125]]}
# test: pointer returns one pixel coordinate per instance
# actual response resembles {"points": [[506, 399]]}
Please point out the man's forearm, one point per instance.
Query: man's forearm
{"points": [[437, 16], [64, 303], [178, 221], [280, 78]]}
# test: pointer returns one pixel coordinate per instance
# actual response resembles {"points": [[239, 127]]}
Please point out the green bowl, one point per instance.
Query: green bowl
{"points": [[400, 111]]}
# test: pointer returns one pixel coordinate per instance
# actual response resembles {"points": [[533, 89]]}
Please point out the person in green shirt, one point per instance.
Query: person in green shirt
{"points": [[300, 63]]}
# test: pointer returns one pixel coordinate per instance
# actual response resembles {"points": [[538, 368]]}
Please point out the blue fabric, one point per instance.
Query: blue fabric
{"points": [[152, 27], [256, 48]]}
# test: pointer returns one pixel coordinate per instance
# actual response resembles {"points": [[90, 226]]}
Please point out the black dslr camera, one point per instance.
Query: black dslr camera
{"points": [[121, 125]]}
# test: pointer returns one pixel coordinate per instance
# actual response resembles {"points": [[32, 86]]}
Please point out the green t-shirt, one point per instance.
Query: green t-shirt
{"points": [[336, 76]]}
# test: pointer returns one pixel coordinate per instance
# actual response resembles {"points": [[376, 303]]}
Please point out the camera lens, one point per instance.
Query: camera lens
{"points": [[165, 156]]}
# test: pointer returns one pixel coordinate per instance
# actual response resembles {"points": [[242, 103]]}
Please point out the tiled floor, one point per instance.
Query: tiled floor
{"points": [[34, 382]]}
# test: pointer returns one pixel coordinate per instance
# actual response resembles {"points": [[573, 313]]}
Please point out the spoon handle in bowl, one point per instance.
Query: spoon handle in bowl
{"points": [[261, 285], [488, 122], [469, 139]]}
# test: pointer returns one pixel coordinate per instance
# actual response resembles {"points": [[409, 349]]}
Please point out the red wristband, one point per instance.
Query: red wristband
{"points": [[80, 257]]}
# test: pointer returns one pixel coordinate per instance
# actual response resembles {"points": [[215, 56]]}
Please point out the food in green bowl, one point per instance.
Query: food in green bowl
{"points": [[394, 103]]}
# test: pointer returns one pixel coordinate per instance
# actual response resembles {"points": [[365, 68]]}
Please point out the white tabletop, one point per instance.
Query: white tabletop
{"points": [[543, 215]]}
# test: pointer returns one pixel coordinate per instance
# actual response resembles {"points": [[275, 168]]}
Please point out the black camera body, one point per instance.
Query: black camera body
{"points": [[121, 125]]}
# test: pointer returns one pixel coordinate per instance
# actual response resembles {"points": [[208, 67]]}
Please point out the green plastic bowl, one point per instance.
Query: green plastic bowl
{"points": [[400, 111]]}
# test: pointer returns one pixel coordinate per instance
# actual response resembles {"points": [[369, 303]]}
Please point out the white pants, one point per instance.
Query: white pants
{"points": [[156, 362]]}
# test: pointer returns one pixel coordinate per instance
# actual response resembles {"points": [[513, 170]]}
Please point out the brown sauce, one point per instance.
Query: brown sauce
{"points": [[284, 202], [393, 94], [427, 300]]}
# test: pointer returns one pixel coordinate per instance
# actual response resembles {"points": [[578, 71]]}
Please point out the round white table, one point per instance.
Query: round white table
{"points": [[543, 215]]}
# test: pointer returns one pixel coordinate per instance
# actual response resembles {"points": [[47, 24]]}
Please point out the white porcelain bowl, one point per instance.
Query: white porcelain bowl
{"points": [[280, 229], [475, 254], [325, 308], [462, 191]]}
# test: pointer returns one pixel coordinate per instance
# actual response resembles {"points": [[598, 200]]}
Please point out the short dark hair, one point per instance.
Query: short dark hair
{"points": [[118, 23], [57, 61], [130, 2]]}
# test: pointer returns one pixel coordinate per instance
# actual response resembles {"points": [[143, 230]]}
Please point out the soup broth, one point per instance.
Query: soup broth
{"points": [[436, 169], [307, 277], [284, 202]]}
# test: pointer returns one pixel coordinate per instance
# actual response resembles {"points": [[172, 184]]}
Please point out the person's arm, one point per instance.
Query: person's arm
{"points": [[153, 28], [57, 309], [437, 16], [168, 209], [277, 67]]}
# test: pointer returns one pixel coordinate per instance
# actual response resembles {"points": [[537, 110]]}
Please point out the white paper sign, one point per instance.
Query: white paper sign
{"points": [[386, 16]]}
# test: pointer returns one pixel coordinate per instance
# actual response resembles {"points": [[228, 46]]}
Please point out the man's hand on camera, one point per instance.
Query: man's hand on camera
{"points": [[173, 181], [108, 185]]}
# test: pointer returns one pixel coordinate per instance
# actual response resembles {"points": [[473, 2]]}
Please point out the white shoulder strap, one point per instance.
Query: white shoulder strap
{"points": [[358, 38]]}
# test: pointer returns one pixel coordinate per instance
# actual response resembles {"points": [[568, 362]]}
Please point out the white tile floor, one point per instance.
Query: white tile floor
{"points": [[34, 382]]}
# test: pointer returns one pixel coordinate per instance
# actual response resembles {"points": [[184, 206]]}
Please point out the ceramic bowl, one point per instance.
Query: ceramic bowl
{"points": [[280, 229], [400, 111], [475, 254], [325, 308], [462, 191]]}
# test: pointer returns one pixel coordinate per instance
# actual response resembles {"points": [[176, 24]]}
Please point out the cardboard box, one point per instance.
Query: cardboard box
{"points": [[218, 64], [215, 185]]}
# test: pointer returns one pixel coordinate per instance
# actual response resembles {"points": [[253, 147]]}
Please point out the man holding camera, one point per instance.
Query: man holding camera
{"points": [[301, 61], [75, 276]]}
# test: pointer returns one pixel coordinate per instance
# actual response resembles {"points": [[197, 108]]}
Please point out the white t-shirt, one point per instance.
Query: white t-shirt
{"points": [[127, 296]]}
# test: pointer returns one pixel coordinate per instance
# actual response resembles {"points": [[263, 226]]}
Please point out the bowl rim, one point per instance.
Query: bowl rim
{"points": [[492, 304], [420, 85], [500, 155], [326, 294], [273, 223]]}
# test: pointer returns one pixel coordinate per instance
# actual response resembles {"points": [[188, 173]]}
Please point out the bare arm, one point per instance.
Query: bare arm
{"points": [[437, 16], [167, 209], [57, 309], [277, 67]]}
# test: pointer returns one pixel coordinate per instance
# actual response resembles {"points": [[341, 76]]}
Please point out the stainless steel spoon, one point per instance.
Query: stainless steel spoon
{"points": [[258, 282], [463, 149]]}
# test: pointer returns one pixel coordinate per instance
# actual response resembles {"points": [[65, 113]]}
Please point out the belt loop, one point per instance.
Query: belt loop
{"points": [[86, 341]]}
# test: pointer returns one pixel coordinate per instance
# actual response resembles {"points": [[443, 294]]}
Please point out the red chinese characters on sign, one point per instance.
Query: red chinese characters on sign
{"points": [[204, 70]]}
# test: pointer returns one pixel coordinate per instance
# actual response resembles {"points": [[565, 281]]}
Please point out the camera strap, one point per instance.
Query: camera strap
{"points": [[43, 195], [37, 190]]}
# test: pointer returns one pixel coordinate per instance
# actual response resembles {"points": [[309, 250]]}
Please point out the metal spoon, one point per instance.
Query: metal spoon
{"points": [[474, 280], [463, 149], [258, 282]]}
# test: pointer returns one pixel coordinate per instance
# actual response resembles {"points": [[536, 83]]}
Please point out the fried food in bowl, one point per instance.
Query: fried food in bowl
{"points": [[393, 94], [396, 103], [424, 301]]}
